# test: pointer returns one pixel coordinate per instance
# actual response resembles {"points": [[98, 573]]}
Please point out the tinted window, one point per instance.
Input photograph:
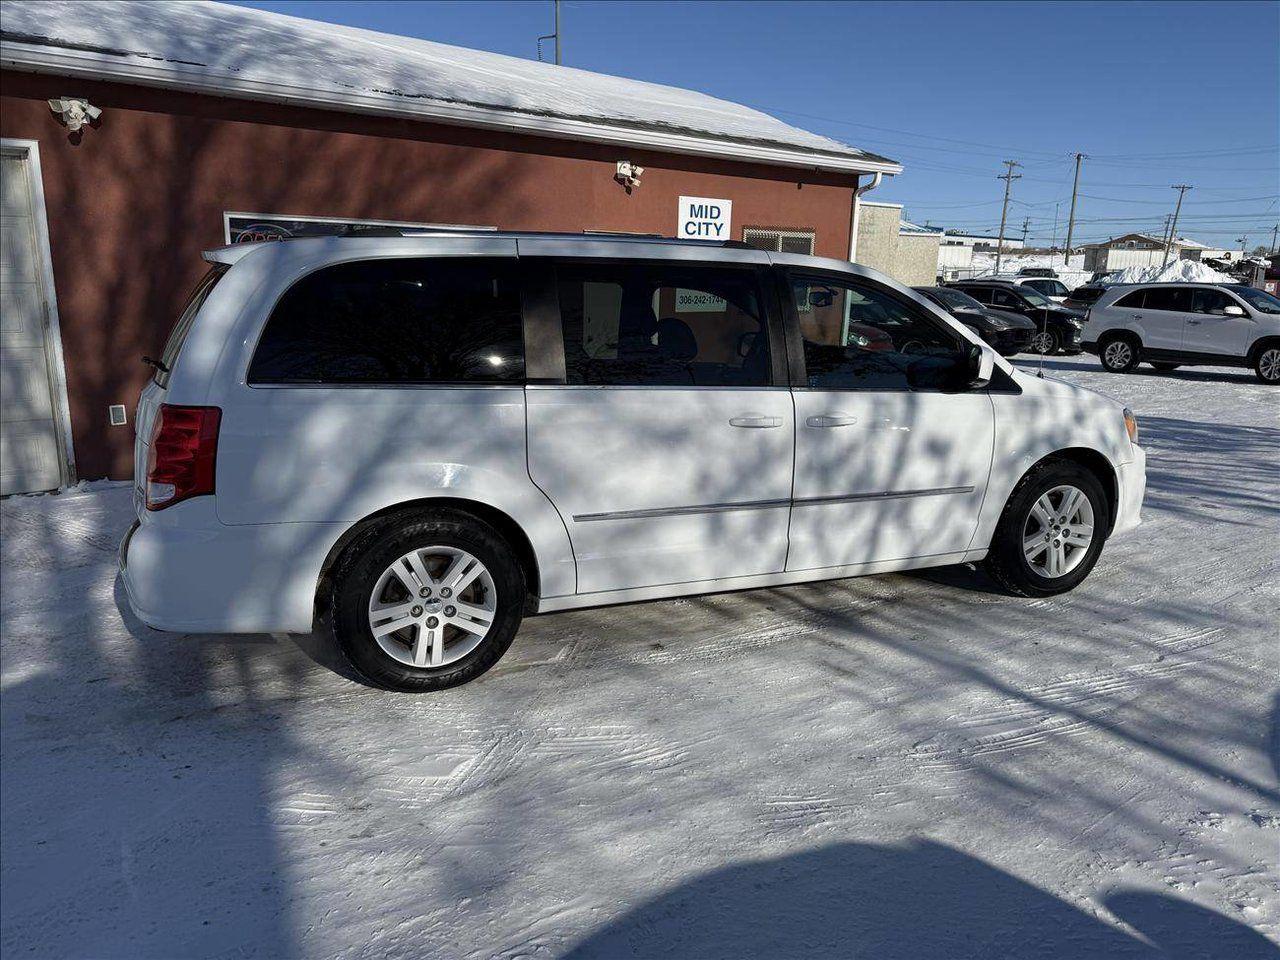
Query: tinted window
{"points": [[1087, 294], [1132, 300], [860, 337], [1007, 298], [396, 321], [1168, 298], [981, 294], [1210, 301], [663, 325], [950, 298], [177, 336]]}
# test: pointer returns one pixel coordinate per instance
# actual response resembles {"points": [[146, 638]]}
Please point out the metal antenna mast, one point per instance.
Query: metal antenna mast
{"points": [[552, 36]]}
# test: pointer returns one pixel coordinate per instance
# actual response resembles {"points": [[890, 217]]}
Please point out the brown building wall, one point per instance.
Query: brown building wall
{"points": [[135, 200]]}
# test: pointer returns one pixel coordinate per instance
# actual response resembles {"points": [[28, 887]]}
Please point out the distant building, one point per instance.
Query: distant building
{"points": [[1136, 250], [905, 251]]}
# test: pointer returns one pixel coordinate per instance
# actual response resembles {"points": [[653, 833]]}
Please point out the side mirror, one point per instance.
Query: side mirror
{"points": [[1231, 310], [981, 366]]}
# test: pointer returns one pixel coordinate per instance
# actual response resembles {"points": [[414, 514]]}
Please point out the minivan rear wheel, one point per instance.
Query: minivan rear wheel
{"points": [[427, 601], [1051, 532]]}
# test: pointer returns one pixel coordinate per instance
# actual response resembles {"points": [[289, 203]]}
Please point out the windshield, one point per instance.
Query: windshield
{"points": [[956, 299], [173, 345], [1035, 298], [1258, 299]]}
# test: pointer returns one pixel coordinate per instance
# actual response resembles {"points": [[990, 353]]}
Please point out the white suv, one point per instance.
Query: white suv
{"points": [[418, 440], [1174, 324]]}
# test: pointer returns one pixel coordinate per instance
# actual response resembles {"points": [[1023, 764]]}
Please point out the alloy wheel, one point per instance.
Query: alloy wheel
{"points": [[433, 606], [1118, 354], [1269, 364], [1058, 531], [1042, 342]]}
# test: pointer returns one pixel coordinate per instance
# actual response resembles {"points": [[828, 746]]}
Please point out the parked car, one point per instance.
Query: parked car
{"points": [[1083, 297], [416, 441], [1183, 324], [1009, 333], [1037, 272], [1057, 328], [1050, 287]]}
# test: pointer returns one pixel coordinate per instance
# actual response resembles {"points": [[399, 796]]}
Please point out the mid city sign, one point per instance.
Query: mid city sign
{"points": [[704, 218]]}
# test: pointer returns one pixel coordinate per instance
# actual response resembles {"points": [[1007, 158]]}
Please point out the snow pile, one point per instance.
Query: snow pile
{"points": [[1070, 270], [213, 43], [1180, 271]]}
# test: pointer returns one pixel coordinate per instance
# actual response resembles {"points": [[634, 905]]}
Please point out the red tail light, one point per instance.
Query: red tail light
{"points": [[181, 459]]}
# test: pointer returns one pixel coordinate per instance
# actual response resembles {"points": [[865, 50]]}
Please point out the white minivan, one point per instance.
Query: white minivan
{"points": [[416, 440]]}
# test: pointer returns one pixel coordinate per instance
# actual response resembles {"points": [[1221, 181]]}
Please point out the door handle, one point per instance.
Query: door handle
{"points": [[752, 420], [829, 420]]}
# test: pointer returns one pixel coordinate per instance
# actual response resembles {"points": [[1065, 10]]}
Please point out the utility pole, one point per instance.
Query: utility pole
{"points": [[1274, 232], [1164, 231], [1243, 241], [1056, 208], [1008, 177], [1071, 218], [552, 36], [1182, 188], [1026, 223]]}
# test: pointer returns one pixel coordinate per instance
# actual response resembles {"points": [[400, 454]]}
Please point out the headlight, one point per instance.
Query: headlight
{"points": [[1131, 424]]}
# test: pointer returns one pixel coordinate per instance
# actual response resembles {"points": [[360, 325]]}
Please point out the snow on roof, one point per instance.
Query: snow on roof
{"points": [[906, 226], [241, 52]]}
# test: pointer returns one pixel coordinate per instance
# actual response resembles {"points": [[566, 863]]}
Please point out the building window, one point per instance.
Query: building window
{"points": [[779, 241]]}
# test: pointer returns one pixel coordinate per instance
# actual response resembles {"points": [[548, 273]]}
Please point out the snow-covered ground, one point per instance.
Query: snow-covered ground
{"points": [[892, 767], [1070, 270], [1178, 271]]}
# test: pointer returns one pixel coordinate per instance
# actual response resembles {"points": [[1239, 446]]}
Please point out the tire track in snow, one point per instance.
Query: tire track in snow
{"points": [[1072, 706]]}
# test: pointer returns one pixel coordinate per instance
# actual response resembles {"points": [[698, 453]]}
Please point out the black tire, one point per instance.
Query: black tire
{"points": [[369, 555], [1266, 363], [1006, 563], [1048, 348], [1119, 360], [1165, 367]]}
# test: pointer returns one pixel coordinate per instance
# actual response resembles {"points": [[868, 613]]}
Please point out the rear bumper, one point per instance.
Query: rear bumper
{"points": [[204, 576], [1131, 478]]}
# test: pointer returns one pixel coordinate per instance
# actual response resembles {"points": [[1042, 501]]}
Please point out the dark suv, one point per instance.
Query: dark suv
{"points": [[1008, 333], [1058, 329]]}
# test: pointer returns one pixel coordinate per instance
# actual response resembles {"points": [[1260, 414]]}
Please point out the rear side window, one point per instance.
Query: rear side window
{"points": [[404, 321], [663, 325], [173, 346], [1132, 300], [981, 294], [1007, 298], [1177, 299]]}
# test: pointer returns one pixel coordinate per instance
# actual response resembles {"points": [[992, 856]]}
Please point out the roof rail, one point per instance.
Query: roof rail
{"points": [[352, 230]]}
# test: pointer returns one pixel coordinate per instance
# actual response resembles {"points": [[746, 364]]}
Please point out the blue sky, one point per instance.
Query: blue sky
{"points": [[1154, 93]]}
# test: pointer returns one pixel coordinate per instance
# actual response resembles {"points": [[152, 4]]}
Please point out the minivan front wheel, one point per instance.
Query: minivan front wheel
{"points": [[1051, 532], [427, 602]]}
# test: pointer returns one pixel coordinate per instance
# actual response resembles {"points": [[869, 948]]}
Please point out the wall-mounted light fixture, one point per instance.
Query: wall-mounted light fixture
{"points": [[75, 112], [628, 174]]}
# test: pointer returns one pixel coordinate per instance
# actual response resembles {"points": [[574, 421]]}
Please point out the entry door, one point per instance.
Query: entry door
{"points": [[30, 458], [1163, 317], [667, 451], [1209, 330], [888, 465]]}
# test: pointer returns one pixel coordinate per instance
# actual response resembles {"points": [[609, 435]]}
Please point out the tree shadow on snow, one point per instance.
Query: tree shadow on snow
{"points": [[913, 902]]}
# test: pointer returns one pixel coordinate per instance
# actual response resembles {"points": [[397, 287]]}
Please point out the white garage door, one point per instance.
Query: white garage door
{"points": [[30, 457]]}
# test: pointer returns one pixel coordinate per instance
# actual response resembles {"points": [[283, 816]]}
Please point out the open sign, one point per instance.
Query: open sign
{"points": [[704, 218]]}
